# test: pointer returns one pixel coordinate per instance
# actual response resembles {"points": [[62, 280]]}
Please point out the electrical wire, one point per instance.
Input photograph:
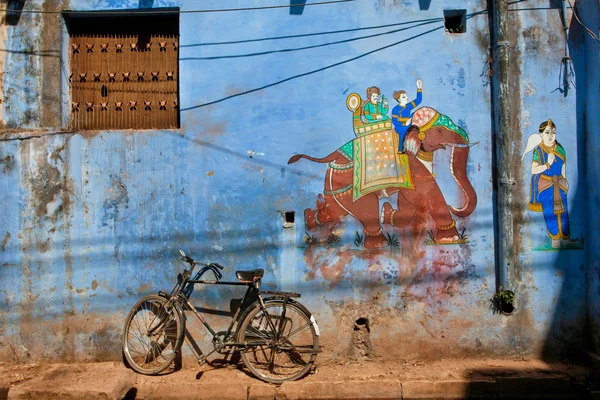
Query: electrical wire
{"points": [[310, 72], [162, 12], [592, 34], [309, 47]]}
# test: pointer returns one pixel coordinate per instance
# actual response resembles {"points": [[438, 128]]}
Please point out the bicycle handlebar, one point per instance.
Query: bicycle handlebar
{"points": [[191, 261], [217, 265]]}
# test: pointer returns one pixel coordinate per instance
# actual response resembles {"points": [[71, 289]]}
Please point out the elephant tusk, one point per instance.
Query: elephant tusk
{"points": [[461, 144]]}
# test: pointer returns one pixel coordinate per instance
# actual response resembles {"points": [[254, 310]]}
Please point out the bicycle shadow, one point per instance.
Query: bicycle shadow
{"points": [[228, 359]]}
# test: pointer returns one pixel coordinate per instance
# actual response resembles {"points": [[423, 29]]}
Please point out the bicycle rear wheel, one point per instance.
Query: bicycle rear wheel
{"points": [[152, 335], [283, 350]]}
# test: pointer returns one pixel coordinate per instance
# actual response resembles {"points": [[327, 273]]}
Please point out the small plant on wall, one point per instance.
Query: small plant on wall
{"points": [[503, 301], [359, 240], [393, 241]]}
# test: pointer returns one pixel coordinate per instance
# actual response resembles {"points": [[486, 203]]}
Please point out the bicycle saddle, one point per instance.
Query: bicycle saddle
{"points": [[250, 276]]}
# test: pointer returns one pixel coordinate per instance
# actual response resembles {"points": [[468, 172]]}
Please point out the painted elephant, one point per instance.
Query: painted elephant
{"points": [[421, 143]]}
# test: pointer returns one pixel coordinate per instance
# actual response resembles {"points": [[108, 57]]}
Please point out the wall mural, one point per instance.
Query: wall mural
{"points": [[388, 157], [549, 187]]}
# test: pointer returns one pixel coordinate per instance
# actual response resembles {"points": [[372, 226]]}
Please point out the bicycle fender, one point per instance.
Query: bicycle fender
{"points": [[314, 322], [290, 301], [312, 317], [251, 307], [179, 311], [177, 306]]}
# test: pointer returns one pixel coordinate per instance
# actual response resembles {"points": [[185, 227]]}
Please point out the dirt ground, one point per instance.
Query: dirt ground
{"points": [[369, 369]]}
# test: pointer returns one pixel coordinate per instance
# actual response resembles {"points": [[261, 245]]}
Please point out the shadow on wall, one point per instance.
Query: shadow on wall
{"points": [[297, 7], [146, 4], [424, 4], [569, 331], [16, 6]]}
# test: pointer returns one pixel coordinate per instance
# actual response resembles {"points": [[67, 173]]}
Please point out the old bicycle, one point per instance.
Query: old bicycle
{"points": [[276, 336]]}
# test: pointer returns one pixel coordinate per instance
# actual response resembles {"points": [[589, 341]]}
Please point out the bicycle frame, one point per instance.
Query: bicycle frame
{"points": [[190, 307], [276, 336], [181, 294]]}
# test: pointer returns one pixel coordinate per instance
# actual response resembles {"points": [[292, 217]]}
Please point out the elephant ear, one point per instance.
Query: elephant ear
{"points": [[412, 143]]}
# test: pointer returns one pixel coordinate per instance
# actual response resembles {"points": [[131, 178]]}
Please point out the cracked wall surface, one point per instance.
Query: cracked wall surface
{"points": [[94, 219]]}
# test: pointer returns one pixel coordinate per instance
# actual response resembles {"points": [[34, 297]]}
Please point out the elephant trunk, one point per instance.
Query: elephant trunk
{"points": [[458, 166]]}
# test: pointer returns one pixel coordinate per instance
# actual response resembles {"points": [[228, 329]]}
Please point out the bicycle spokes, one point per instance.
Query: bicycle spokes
{"points": [[278, 345], [151, 335]]}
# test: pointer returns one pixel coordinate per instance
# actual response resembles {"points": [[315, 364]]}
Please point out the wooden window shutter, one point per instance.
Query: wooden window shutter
{"points": [[124, 70]]}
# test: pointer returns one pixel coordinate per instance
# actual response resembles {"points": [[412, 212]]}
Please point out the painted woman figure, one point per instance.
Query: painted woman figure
{"points": [[549, 184]]}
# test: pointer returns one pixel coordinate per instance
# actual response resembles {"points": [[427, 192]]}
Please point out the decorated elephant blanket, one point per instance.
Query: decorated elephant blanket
{"points": [[377, 164]]}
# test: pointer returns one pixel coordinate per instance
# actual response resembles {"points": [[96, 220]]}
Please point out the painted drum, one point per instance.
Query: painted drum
{"points": [[353, 102]]}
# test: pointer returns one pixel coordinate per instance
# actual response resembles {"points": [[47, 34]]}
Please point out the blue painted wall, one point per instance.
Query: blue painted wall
{"points": [[93, 219], [589, 105]]}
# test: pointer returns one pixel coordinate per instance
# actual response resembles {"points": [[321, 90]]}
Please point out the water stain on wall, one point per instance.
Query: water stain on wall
{"points": [[116, 201], [8, 163], [5, 241]]}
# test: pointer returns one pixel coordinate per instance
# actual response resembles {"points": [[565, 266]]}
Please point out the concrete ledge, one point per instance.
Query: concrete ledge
{"points": [[348, 390], [262, 392], [92, 381], [535, 388], [193, 390], [428, 390]]}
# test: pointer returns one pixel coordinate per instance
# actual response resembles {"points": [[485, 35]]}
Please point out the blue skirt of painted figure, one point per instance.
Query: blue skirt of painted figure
{"points": [[549, 192]]}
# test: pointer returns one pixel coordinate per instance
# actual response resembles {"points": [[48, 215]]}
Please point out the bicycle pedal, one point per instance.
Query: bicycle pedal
{"points": [[202, 361]]}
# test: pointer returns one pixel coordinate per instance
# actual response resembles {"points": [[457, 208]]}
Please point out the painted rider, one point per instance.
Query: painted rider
{"points": [[549, 184], [401, 114], [374, 110]]}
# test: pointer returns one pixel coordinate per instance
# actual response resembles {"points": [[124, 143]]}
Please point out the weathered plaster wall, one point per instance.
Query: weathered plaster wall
{"points": [[94, 219], [551, 282]]}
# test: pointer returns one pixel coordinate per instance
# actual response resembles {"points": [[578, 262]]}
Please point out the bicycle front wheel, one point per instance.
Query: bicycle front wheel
{"points": [[152, 335], [280, 343]]}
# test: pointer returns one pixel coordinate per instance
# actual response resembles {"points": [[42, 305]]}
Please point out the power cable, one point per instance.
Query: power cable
{"points": [[310, 72], [300, 35], [262, 53], [322, 68], [162, 12]]}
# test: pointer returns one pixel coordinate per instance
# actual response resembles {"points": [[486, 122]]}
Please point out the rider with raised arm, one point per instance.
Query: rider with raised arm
{"points": [[402, 113]]}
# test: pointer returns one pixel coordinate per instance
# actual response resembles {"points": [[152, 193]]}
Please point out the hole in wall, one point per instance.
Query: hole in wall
{"points": [[507, 308], [290, 217], [361, 345], [455, 21], [361, 323]]}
